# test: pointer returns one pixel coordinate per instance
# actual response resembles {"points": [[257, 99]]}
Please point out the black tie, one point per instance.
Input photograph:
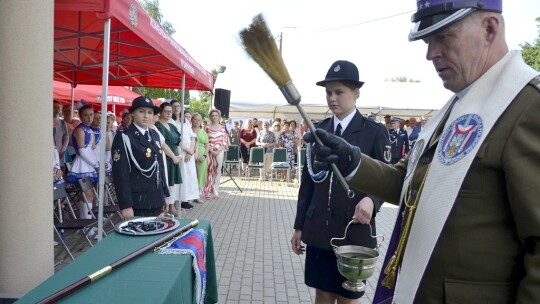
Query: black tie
{"points": [[147, 135], [338, 130]]}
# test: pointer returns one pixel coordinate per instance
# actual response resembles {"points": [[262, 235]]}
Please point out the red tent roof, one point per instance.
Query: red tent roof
{"points": [[118, 97], [92, 94], [141, 51]]}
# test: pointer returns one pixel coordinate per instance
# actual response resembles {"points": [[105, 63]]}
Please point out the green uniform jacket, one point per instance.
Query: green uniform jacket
{"points": [[489, 248]]}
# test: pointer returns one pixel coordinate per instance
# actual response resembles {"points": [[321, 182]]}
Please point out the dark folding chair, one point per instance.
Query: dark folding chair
{"points": [[279, 162], [256, 161], [69, 222], [108, 210], [232, 157]]}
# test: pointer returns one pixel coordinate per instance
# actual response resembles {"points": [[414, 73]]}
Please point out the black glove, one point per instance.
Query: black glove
{"points": [[335, 150]]}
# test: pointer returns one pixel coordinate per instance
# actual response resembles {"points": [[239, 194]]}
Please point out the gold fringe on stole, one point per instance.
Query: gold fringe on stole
{"points": [[390, 271]]}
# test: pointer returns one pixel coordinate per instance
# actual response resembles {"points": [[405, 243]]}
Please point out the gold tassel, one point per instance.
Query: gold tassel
{"points": [[391, 268], [391, 264], [390, 272], [390, 280]]}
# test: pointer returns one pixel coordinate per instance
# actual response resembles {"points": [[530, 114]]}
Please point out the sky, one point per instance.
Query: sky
{"points": [[315, 34]]}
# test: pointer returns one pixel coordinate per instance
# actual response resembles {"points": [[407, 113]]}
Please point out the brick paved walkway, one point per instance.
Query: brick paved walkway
{"points": [[252, 231]]}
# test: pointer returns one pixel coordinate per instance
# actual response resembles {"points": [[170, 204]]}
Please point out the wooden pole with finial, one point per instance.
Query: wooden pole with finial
{"points": [[259, 43]]}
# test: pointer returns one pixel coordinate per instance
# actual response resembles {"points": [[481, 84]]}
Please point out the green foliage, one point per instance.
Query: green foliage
{"points": [[220, 70], [206, 97], [152, 8], [203, 104], [164, 93], [401, 79], [531, 52], [199, 106]]}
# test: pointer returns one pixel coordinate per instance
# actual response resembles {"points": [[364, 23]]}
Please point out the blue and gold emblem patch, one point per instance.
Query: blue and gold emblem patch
{"points": [[460, 138]]}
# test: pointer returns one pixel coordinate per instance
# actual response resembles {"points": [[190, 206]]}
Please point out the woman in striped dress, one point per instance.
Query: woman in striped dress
{"points": [[218, 142]]}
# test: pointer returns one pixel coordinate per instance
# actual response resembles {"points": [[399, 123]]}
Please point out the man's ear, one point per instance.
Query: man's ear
{"points": [[492, 26]]}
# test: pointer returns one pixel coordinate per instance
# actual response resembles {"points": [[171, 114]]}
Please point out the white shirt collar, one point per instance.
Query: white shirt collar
{"points": [[141, 129], [345, 122]]}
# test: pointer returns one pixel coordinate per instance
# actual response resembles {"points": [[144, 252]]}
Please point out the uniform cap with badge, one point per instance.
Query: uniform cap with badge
{"points": [[433, 16], [124, 113], [143, 102], [342, 70], [395, 119]]}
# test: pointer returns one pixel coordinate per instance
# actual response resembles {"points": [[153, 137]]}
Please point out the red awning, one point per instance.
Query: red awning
{"points": [[118, 97], [141, 51]]}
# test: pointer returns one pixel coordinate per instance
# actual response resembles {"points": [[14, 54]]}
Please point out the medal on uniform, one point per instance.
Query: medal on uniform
{"points": [[388, 153], [414, 156], [116, 155], [148, 152]]}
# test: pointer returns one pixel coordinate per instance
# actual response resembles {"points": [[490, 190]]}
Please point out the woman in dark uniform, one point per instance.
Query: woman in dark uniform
{"points": [[324, 208], [138, 169]]}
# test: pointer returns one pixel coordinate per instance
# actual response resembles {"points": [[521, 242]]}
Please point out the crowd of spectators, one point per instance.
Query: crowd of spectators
{"points": [[194, 149], [412, 126]]}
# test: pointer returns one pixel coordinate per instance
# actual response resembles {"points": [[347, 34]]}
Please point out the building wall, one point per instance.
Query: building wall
{"points": [[26, 61]]}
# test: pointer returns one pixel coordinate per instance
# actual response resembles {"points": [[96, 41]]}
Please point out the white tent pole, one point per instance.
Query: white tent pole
{"points": [[183, 105], [182, 134], [103, 127], [72, 100]]}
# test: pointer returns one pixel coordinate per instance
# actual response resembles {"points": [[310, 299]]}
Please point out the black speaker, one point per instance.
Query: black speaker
{"points": [[222, 101]]}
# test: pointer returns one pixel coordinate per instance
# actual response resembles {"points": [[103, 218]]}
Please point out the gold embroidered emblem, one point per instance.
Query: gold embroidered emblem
{"points": [[116, 155]]}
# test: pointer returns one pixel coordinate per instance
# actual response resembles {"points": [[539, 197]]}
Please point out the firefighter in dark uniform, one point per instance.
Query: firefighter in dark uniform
{"points": [[399, 141], [138, 170]]}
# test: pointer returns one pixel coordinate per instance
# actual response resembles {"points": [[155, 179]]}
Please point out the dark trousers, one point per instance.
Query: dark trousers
{"points": [[244, 151], [147, 212]]}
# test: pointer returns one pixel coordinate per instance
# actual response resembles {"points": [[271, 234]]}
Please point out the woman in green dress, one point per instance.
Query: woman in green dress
{"points": [[172, 139], [202, 148]]}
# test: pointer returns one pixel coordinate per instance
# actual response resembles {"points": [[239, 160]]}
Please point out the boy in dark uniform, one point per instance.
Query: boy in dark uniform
{"points": [[399, 141], [138, 170]]}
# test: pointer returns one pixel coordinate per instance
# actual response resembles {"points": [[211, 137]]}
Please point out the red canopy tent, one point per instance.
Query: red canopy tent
{"points": [[118, 97], [141, 51], [115, 42]]}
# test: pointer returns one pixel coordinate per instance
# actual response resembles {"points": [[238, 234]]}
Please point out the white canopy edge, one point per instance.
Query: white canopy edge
{"points": [[401, 99]]}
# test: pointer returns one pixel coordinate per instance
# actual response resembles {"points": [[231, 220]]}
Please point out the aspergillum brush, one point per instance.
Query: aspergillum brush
{"points": [[258, 42]]}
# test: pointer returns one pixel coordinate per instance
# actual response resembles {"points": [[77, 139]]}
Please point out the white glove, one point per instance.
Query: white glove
{"points": [[86, 155]]}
